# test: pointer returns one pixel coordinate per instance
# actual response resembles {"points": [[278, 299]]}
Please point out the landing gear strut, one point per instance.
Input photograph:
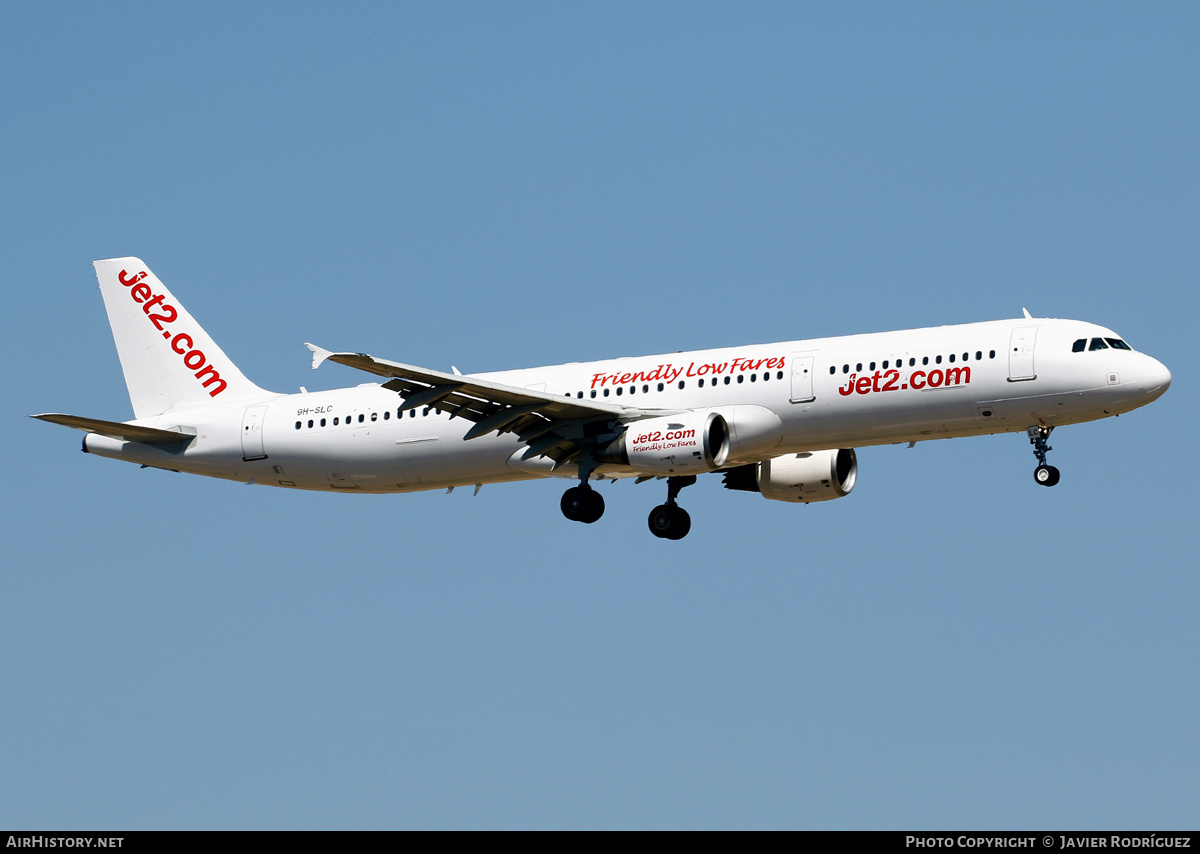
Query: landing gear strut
{"points": [[582, 503], [1045, 475], [670, 521]]}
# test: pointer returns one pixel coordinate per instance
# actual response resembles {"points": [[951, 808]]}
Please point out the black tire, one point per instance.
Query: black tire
{"points": [[582, 504], [669, 522], [572, 503], [683, 524], [593, 507], [1046, 475]]}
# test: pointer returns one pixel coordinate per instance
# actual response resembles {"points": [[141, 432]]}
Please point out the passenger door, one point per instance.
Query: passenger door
{"points": [[1020, 354], [252, 437], [802, 378]]}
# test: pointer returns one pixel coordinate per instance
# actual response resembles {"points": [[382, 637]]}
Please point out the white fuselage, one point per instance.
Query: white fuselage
{"points": [[906, 386]]}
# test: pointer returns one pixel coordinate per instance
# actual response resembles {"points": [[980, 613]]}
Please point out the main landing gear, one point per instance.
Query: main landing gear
{"points": [[582, 504], [667, 521], [1045, 475], [670, 521]]}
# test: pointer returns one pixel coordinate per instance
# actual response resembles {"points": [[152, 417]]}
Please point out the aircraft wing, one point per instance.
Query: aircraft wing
{"points": [[546, 422], [116, 430]]}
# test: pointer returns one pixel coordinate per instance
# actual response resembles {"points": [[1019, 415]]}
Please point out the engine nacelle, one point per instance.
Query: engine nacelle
{"points": [[810, 476], [688, 443]]}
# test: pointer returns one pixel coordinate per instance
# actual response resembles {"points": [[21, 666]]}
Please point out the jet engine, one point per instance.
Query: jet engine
{"points": [[801, 478], [683, 444]]}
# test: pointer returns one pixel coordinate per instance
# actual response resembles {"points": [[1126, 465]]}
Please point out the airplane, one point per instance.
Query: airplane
{"points": [[779, 419]]}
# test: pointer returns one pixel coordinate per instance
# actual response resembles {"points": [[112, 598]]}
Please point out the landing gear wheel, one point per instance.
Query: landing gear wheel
{"points": [[1046, 475], [582, 504], [669, 522]]}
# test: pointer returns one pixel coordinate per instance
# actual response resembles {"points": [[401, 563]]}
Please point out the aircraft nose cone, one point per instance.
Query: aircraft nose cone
{"points": [[1157, 377]]}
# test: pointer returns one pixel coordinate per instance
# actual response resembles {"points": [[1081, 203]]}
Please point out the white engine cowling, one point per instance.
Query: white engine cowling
{"points": [[754, 431], [810, 476], [688, 443]]}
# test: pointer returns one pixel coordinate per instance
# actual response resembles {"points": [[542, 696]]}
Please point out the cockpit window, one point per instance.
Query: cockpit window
{"points": [[1079, 346], [1117, 344], [1098, 344]]}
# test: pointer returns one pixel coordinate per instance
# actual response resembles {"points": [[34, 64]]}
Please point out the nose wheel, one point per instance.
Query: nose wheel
{"points": [[670, 521], [1045, 475]]}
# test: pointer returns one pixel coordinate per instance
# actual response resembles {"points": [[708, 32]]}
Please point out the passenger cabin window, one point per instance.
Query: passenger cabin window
{"points": [[1098, 344]]}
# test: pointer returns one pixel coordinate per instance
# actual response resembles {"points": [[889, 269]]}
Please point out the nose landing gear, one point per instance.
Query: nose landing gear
{"points": [[1044, 474], [670, 521]]}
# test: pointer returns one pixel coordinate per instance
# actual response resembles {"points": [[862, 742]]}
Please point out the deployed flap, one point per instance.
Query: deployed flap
{"points": [[116, 430]]}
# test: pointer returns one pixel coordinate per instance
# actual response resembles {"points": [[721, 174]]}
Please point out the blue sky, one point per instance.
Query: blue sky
{"points": [[505, 185]]}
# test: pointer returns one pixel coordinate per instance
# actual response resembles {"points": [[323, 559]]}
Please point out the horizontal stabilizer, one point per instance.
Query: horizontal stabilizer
{"points": [[116, 430]]}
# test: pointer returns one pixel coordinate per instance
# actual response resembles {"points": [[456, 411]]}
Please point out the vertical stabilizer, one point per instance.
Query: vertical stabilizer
{"points": [[168, 360]]}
